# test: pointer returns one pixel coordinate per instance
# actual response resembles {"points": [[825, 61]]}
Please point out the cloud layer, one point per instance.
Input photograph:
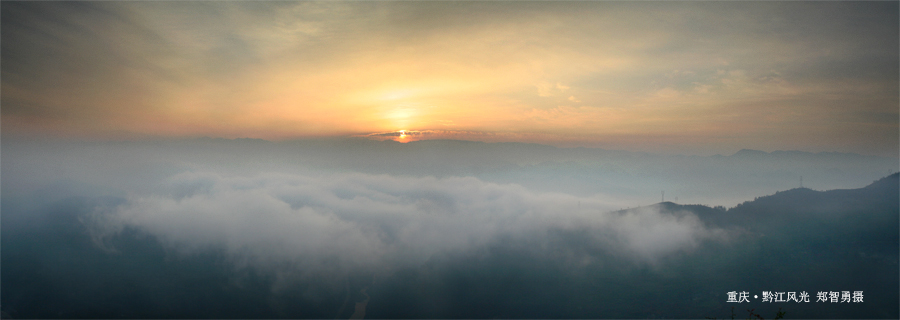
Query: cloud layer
{"points": [[354, 221]]}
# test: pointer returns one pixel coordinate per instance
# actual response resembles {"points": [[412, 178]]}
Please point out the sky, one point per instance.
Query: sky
{"points": [[677, 77]]}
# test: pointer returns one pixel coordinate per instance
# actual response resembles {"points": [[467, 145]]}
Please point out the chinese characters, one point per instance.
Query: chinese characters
{"points": [[821, 296]]}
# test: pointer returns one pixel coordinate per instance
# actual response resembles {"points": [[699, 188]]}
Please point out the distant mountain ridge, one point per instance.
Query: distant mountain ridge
{"points": [[750, 153], [359, 141], [633, 178]]}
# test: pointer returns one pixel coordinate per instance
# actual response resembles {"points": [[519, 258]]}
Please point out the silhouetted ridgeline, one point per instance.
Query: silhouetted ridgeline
{"points": [[874, 203]]}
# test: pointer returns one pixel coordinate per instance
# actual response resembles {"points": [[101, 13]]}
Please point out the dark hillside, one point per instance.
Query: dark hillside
{"points": [[867, 214], [807, 240]]}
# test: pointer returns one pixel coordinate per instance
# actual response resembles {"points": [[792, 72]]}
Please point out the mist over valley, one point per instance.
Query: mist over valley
{"points": [[214, 228]]}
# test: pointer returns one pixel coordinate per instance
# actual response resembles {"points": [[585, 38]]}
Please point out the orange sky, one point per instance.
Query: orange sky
{"points": [[671, 77]]}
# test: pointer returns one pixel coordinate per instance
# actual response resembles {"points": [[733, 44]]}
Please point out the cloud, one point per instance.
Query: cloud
{"points": [[545, 89], [287, 70], [353, 221]]}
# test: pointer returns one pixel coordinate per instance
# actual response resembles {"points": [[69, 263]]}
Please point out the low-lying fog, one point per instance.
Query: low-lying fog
{"points": [[328, 211]]}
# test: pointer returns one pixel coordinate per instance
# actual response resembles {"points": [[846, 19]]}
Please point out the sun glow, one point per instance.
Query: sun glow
{"points": [[323, 69]]}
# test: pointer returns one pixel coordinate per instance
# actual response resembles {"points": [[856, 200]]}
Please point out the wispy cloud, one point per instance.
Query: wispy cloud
{"points": [[299, 69]]}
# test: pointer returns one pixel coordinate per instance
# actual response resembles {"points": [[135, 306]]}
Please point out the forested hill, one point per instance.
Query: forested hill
{"points": [[881, 194], [877, 204], [804, 240]]}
